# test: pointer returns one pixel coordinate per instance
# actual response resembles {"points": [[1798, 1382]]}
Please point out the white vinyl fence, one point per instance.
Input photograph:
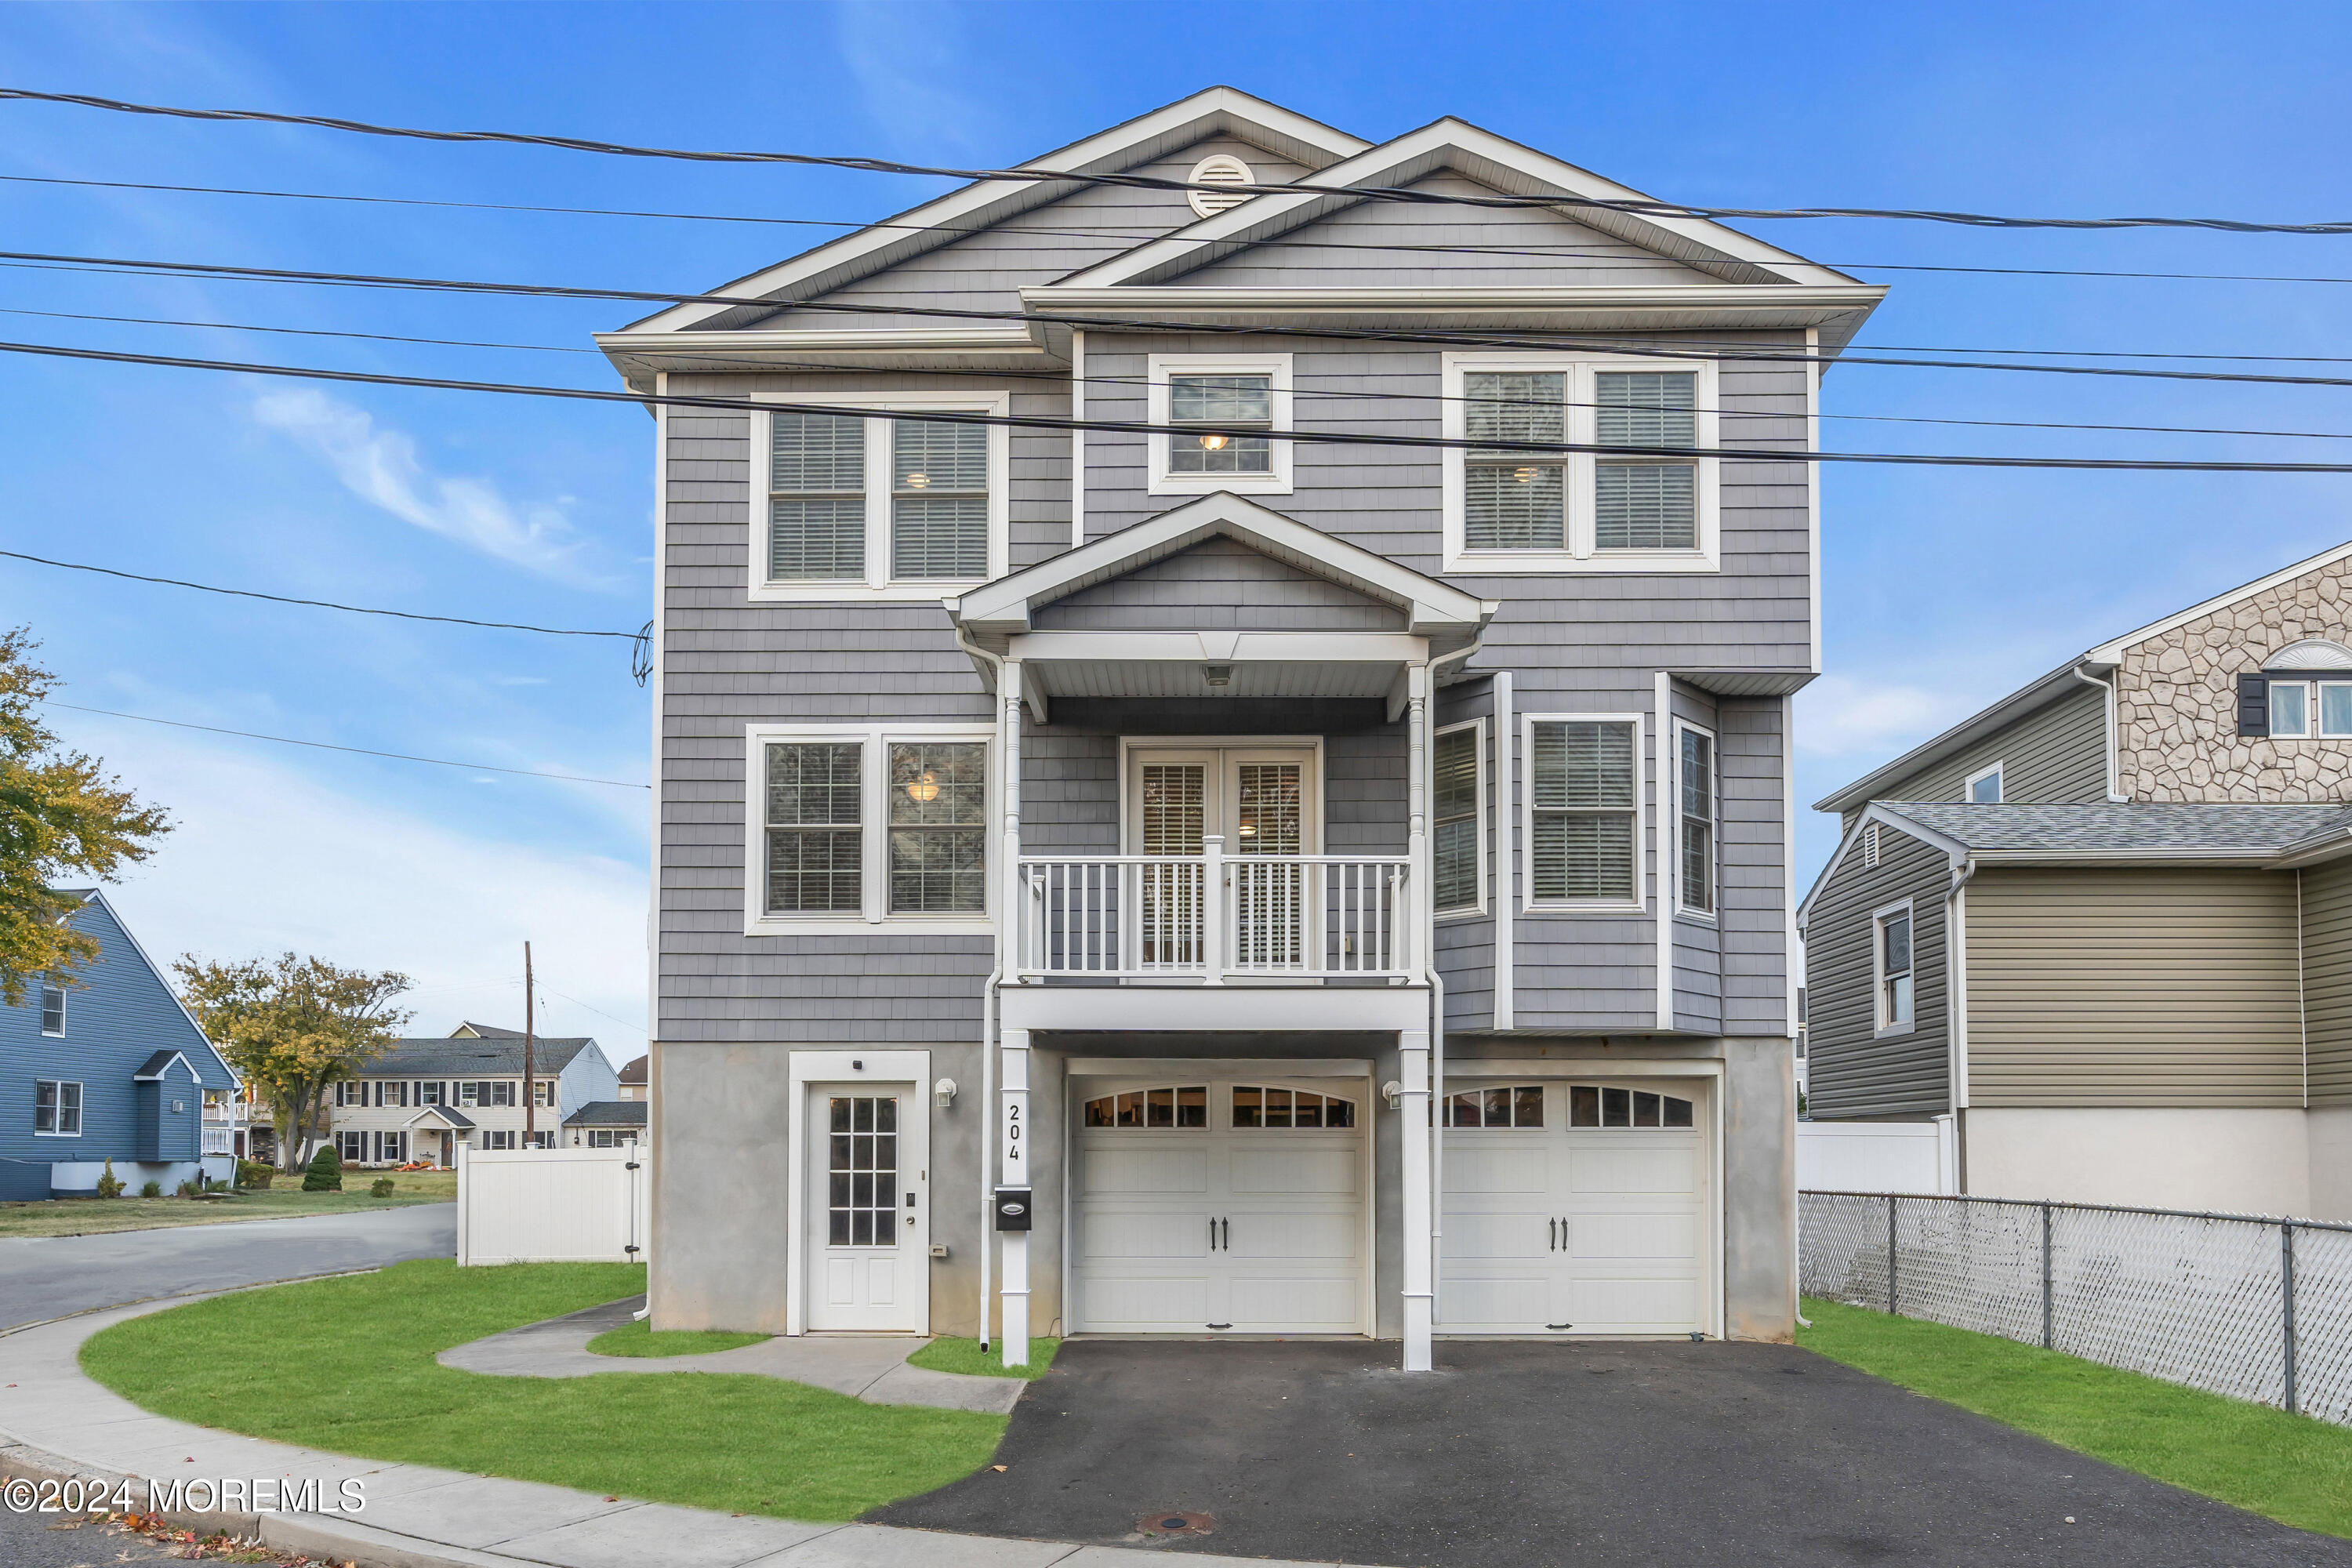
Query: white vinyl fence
{"points": [[2255, 1309], [553, 1206], [1877, 1156]]}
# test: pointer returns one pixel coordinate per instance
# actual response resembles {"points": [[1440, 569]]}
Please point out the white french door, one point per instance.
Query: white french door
{"points": [[1261, 802], [868, 1224]]}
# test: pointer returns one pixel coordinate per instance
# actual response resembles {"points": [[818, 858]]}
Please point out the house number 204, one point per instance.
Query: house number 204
{"points": [[1016, 1113]]}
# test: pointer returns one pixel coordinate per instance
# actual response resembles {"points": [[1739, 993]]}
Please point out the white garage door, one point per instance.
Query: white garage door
{"points": [[1580, 1208], [1219, 1204]]}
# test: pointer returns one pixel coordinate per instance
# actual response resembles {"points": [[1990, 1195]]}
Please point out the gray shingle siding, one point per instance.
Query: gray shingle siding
{"points": [[1575, 643], [1852, 1070]]}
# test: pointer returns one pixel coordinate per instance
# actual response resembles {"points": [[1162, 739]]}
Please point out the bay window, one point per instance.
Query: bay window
{"points": [[1457, 844], [1584, 811]]}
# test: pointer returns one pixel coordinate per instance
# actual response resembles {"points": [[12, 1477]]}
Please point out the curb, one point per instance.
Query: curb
{"points": [[188, 1296]]}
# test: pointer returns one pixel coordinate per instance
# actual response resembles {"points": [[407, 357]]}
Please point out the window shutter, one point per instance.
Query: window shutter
{"points": [[2253, 705]]}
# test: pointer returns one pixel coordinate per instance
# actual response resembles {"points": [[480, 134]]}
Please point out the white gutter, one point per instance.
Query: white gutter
{"points": [[1956, 981], [1437, 997], [988, 1012], [2115, 758]]}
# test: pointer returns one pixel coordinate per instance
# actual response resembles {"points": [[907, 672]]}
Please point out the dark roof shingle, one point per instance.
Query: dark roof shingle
{"points": [[608, 1114], [459, 1057], [2143, 827]]}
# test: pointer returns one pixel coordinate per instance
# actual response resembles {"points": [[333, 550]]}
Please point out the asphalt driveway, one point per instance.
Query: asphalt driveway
{"points": [[46, 1276], [1591, 1454]]}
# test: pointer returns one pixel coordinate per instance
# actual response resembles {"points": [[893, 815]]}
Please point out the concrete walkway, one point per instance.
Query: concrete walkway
{"points": [[57, 1423], [868, 1367]]}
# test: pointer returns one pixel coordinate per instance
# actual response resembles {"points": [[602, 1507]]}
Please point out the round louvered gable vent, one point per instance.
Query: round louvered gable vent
{"points": [[1218, 169]]}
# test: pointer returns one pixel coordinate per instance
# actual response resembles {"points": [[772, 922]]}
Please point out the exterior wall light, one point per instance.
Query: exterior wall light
{"points": [[1217, 674], [1392, 1091], [944, 1091]]}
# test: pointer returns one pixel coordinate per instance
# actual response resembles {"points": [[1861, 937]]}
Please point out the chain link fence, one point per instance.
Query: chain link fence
{"points": [[2255, 1309]]}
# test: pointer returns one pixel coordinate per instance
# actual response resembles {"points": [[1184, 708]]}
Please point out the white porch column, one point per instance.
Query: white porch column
{"points": [[1013, 910], [1416, 805], [1014, 1170], [1413, 1104]]}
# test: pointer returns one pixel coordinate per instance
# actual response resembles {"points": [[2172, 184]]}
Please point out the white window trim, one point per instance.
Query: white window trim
{"points": [[1878, 918], [1158, 368], [2310, 709], [878, 586], [1639, 903], [2319, 709], [1482, 825], [1715, 822], [81, 1108], [1579, 556], [873, 826], [1968, 786], [64, 1005]]}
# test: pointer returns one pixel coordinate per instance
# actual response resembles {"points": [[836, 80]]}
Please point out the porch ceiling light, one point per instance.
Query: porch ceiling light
{"points": [[1217, 674]]}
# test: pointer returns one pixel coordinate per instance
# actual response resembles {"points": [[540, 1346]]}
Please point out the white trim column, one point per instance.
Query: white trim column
{"points": [[1014, 1138], [1413, 1107], [1013, 912]]}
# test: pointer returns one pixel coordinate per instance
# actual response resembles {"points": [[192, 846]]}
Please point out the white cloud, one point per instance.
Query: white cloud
{"points": [[1838, 715], [265, 859], [381, 466]]}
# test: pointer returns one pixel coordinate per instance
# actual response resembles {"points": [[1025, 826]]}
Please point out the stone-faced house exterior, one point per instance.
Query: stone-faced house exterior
{"points": [[1221, 758], [2107, 923]]}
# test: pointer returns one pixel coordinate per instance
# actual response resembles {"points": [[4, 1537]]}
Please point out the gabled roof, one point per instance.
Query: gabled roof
{"points": [[609, 1113], [1436, 610], [90, 896], [2059, 682], [449, 1116], [634, 1072], [948, 218], [153, 1069], [470, 1030], [498, 1056]]}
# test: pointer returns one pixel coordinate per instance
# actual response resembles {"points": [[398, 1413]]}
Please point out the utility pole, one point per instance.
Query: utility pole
{"points": [[529, 1089]]}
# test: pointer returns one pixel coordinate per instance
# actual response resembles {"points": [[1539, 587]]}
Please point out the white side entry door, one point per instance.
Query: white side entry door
{"points": [[869, 1225]]}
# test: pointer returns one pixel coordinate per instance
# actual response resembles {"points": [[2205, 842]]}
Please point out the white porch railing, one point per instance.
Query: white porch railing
{"points": [[219, 1140], [1273, 917]]}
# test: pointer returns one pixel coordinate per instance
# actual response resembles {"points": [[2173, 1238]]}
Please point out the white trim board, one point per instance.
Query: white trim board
{"points": [[806, 1067]]}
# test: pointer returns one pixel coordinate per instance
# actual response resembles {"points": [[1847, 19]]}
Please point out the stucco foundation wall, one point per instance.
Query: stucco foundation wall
{"points": [[721, 1243], [1759, 1189], [2328, 1133], [2224, 1161]]}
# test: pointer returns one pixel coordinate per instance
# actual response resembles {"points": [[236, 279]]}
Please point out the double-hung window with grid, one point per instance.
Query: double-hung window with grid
{"points": [[57, 1109], [1695, 826], [862, 825], [1584, 811], [1535, 488], [1458, 833], [1892, 933], [887, 502]]}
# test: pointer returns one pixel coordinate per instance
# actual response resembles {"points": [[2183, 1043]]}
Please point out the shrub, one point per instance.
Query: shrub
{"points": [[151, 1190], [326, 1171], [380, 1187], [110, 1185], [253, 1174], [190, 1189]]}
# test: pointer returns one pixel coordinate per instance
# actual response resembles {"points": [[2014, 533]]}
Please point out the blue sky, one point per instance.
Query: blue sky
{"points": [[1942, 587]]}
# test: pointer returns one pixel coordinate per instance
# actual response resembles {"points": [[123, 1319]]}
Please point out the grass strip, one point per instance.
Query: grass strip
{"points": [[347, 1366], [964, 1356], [101, 1217], [638, 1339], [2291, 1469]]}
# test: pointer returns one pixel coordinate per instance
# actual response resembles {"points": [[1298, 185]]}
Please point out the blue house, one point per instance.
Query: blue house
{"points": [[104, 1064]]}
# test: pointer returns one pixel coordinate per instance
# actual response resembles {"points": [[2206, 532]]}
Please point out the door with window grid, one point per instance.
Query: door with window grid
{"points": [[868, 1210], [1576, 1207], [1263, 802]]}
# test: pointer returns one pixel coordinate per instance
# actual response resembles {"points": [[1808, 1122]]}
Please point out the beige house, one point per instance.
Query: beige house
{"points": [[2105, 924], [424, 1098]]}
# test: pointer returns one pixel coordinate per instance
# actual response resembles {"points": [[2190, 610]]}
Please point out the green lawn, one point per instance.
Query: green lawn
{"points": [[347, 1366], [283, 1200], [638, 1339], [963, 1356], [2291, 1469]]}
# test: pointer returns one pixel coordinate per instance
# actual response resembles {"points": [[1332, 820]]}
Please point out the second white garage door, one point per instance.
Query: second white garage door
{"points": [[1219, 1204], [1577, 1209]]}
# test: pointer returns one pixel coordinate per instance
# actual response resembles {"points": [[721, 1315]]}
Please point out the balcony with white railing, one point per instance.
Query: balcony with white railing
{"points": [[1213, 919], [219, 1140]]}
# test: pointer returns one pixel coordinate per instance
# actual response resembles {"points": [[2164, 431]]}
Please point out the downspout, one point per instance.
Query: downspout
{"points": [[1955, 1011], [1437, 1014], [988, 1012], [2115, 758]]}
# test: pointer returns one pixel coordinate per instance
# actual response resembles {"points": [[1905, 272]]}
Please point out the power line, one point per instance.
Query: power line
{"points": [[356, 750], [1603, 260], [1642, 206], [1120, 426], [1354, 395], [1652, 347], [319, 603]]}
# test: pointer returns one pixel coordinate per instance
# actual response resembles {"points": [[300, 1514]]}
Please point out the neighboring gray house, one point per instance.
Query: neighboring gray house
{"points": [[424, 1098], [1145, 835], [2105, 924], [605, 1124]]}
